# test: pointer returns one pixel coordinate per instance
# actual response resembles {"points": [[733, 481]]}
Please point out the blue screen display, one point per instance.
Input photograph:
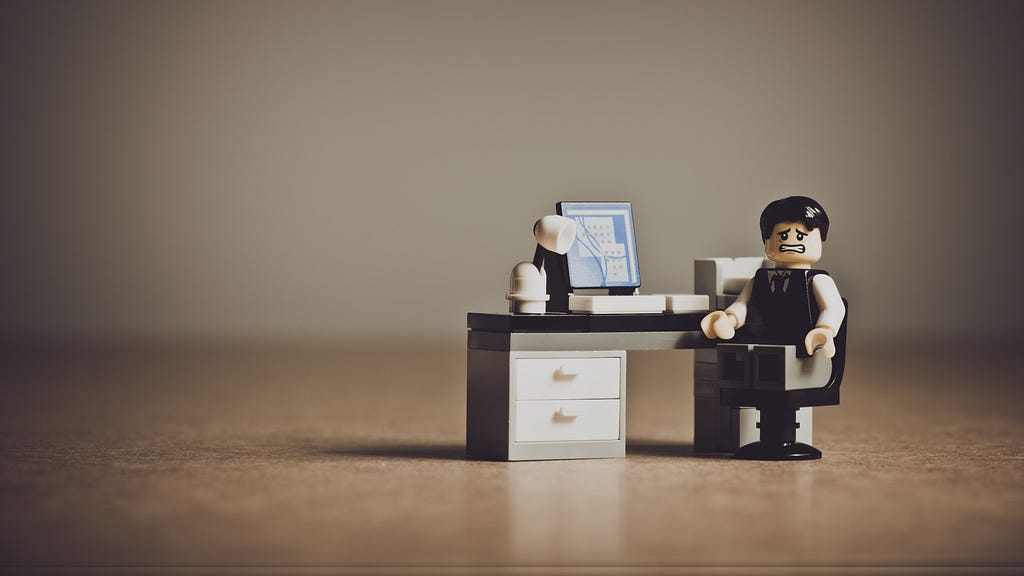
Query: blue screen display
{"points": [[604, 253]]}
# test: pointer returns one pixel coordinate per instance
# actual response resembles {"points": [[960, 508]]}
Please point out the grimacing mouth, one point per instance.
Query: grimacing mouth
{"points": [[799, 248]]}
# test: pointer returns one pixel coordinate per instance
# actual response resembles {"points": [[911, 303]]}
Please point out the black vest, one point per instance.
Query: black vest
{"points": [[784, 315]]}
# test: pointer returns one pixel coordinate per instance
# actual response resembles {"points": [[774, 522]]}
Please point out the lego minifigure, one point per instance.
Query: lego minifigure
{"points": [[780, 319], [776, 307]]}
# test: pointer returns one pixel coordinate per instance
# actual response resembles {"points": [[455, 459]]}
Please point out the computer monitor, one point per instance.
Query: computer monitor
{"points": [[604, 254]]}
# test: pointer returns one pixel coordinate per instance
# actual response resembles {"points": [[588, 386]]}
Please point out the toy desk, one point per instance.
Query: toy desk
{"points": [[553, 386]]}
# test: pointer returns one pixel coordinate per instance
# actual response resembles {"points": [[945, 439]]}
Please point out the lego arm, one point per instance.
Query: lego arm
{"points": [[723, 323], [829, 320]]}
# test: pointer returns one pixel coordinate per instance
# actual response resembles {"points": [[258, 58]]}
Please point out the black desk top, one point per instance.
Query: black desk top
{"points": [[558, 322]]}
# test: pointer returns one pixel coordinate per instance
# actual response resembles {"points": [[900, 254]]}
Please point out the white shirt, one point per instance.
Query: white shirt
{"points": [[825, 293]]}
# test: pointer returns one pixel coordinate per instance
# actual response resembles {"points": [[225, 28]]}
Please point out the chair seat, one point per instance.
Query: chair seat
{"points": [[828, 396]]}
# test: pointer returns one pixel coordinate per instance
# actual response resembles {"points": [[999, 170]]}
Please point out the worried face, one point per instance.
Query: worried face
{"points": [[792, 245]]}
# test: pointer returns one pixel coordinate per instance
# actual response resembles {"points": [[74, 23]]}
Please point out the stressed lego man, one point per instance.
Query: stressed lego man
{"points": [[791, 304]]}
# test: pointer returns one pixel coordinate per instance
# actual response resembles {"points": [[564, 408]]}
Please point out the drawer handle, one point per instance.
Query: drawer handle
{"points": [[568, 370], [566, 414]]}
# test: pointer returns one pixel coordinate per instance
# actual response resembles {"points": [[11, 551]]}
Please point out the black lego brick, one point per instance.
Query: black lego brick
{"points": [[686, 322], [689, 322], [505, 322], [562, 322], [627, 323], [766, 399]]}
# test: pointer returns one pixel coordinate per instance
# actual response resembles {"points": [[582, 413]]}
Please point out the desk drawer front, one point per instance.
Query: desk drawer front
{"points": [[567, 378], [566, 420]]}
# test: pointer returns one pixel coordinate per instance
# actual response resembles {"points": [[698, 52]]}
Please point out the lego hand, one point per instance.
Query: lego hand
{"points": [[821, 338], [718, 324]]}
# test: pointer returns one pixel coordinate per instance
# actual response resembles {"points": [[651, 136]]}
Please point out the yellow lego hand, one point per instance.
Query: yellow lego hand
{"points": [[718, 324], [820, 338]]}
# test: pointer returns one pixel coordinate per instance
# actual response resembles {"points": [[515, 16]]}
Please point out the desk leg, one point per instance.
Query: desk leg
{"points": [[715, 427]]}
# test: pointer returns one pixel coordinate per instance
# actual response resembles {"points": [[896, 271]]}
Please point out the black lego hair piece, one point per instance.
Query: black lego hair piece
{"points": [[794, 209]]}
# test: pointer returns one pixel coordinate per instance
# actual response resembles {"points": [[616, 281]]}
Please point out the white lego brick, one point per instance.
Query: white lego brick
{"points": [[566, 420], [805, 418], [711, 274], [778, 368], [749, 432], [707, 276], [492, 410], [566, 378], [566, 450], [547, 341], [609, 304], [682, 303]]}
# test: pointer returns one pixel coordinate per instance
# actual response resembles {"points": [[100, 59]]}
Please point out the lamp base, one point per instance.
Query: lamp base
{"points": [[527, 290], [527, 306]]}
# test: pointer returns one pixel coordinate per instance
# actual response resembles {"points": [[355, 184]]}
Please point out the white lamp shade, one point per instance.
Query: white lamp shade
{"points": [[555, 233]]}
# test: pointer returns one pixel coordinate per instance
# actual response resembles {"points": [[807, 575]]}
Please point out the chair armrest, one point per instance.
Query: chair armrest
{"points": [[839, 360]]}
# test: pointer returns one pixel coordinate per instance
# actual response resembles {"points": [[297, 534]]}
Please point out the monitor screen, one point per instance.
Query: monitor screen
{"points": [[604, 254]]}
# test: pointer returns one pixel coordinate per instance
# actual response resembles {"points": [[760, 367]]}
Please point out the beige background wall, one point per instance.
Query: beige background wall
{"points": [[372, 169]]}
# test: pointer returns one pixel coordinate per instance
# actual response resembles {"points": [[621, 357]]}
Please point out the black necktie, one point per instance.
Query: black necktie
{"points": [[779, 282]]}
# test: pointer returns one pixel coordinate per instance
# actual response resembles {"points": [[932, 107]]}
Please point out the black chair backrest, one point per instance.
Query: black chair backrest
{"points": [[839, 360]]}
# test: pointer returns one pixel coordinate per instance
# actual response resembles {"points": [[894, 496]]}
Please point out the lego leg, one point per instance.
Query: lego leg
{"points": [[777, 367], [735, 362]]}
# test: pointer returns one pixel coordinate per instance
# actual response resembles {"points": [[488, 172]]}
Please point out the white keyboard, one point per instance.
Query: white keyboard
{"points": [[625, 304], [682, 303], [638, 304]]}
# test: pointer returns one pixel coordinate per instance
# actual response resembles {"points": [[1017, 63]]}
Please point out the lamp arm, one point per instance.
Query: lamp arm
{"points": [[538, 257]]}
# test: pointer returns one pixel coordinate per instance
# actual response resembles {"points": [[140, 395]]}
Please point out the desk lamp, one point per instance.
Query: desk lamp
{"points": [[528, 284]]}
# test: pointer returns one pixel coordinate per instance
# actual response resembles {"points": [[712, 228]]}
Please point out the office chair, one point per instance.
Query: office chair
{"points": [[778, 407]]}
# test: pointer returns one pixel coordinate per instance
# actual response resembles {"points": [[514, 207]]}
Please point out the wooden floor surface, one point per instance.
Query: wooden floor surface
{"points": [[278, 458]]}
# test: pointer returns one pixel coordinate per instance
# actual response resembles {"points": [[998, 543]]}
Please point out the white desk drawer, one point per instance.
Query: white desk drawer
{"points": [[566, 378], [566, 420]]}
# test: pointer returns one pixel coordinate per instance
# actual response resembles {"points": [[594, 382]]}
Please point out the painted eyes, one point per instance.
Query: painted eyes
{"points": [[799, 236], [785, 236]]}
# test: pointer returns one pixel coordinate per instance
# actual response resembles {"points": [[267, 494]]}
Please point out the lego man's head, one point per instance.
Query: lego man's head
{"points": [[793, 230]]}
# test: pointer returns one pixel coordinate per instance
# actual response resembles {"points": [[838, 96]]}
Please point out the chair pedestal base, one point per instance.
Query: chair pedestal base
{"points": [[778, 438], [784, 451]]}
